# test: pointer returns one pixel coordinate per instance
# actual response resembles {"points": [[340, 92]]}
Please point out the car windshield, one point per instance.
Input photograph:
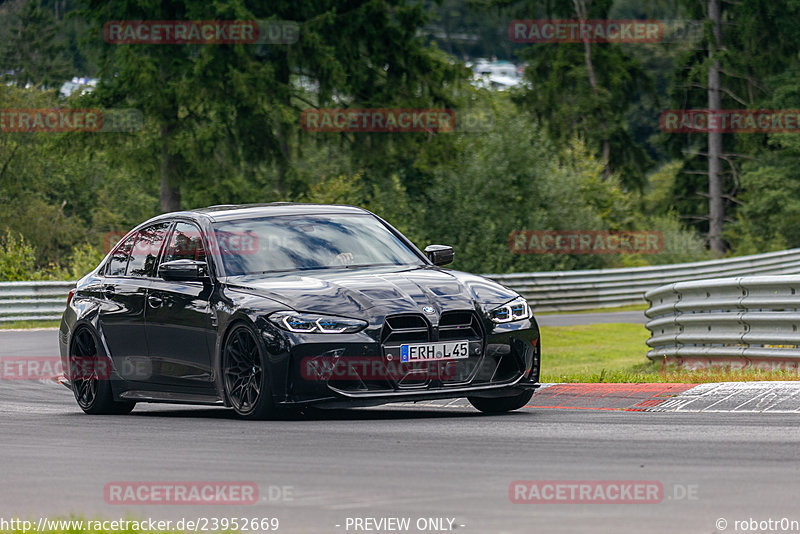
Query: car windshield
{"points": [[308, 242]]}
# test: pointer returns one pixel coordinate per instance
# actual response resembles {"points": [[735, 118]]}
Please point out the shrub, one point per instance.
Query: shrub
{"points": [[17, 258]]}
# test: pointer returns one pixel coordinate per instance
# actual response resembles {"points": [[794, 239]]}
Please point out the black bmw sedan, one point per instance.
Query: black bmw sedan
{"points": [[264, 308]]}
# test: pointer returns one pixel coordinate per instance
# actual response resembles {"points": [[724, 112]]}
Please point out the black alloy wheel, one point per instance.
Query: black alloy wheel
{"points": [[88, 373], [245, 376]]}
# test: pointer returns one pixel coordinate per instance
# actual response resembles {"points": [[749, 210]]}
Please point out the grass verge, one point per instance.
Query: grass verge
{"points": [[615, 352], [16, 325]]}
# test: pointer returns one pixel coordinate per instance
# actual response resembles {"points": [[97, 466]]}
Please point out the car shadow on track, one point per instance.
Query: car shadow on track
{"points": [[316, 414]]}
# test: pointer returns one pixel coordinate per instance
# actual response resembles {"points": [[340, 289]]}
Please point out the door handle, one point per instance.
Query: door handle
{"points": [[108, 291], [154, 301]]}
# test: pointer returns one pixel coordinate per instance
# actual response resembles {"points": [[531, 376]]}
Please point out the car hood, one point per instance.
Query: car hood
{"points": [[348, 291]]}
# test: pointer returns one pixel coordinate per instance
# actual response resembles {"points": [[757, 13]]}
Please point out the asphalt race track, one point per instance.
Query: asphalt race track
{"points": [[441, 460]]}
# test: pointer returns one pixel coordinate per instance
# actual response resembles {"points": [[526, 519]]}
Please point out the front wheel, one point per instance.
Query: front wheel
{"points": [[501, 404], [245, 375]]}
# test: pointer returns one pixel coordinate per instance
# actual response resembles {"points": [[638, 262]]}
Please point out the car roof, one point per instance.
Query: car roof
{"points": [[225, 212]]}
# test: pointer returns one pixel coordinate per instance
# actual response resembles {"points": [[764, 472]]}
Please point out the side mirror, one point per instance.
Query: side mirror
{"points": [[183, 271], [440, 254]]}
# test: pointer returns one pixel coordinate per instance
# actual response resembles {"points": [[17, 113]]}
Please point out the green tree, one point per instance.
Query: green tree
{"points": [[228, 115], [753, 44], [599, 79], [768, 217], [514, 178], [59, 190], [31, 54]]}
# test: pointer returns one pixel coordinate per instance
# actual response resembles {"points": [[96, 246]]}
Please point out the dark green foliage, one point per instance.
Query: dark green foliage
{"points": [[221, 125]]}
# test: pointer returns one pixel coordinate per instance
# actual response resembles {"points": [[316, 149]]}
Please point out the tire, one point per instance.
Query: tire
{"points": [[88, 370], [501, 404], [244, 375]]}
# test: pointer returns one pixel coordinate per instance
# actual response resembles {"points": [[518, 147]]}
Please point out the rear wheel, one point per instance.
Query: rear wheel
{"points": [[88, 374], [501, 404], [245, 376]]}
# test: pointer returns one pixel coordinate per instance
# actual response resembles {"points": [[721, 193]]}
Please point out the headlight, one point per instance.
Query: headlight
{"points": [[516, 310], [316, 324]]}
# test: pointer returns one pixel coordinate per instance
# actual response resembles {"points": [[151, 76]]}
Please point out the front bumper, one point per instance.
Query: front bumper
{"points": [[505, 363]]}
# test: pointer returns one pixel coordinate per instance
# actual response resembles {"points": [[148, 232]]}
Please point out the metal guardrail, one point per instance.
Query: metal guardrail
{"points": [[605, 288], [545, 291], [751, 320], [33, 301]]}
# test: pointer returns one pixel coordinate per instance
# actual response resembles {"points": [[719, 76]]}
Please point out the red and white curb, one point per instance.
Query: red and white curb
{"points": [[752, 397], [610, 397]]}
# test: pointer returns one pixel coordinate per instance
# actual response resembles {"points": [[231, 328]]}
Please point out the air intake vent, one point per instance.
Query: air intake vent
{"points": [[405, 329], [460, 325]]}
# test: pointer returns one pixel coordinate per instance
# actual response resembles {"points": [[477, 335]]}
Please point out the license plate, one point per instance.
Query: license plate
{"points": [[424, 352]]}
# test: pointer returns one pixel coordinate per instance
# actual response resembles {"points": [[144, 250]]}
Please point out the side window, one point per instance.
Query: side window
{"points": [[186, 243], [145, 251], [119, 258]]}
